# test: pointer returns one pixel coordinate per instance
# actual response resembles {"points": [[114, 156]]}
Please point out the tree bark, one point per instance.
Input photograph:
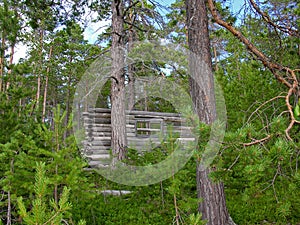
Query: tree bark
{"points": [[212, 205], [46, 87], [118, 119], [11, 59], [38, 92], [68, 101], [2, 59]]}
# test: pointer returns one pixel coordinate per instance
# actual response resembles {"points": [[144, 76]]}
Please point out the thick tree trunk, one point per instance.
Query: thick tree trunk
{"points": [[118, 119], [212, 205]]}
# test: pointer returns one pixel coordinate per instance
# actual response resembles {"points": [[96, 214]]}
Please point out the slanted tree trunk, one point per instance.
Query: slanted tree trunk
{"points": [[118, 119], [212, 205]]}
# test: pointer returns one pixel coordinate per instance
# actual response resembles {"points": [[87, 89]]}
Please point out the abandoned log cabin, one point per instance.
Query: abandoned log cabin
{"points": [[144, 130]]}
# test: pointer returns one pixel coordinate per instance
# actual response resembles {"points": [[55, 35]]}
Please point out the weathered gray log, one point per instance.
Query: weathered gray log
{"points": [[98, 151], [99, 133], [97, 120], [97, 115], [115, 192], [133, 112], [101, 139], [99, 110], [99, 164], [101, 143], [148, 129], [101, 129], [95, 157]]}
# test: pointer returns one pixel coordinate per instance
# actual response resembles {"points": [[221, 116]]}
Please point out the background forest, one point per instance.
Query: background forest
{"points": [[44, 178]]}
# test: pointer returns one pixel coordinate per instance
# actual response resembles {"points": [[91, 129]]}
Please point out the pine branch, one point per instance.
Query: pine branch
{"points": [[291, 81], [266, 17]]}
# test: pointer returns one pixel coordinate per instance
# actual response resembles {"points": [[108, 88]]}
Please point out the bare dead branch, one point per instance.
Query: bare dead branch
{"points": [[257, 141], [273, 182], [263, 104], [132, 24], [130, 6], [266, 17], [235, 161]]}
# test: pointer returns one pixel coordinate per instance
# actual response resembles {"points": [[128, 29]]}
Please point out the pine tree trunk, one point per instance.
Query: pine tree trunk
{"points": [[68, 101], [11, 59], [39, 82], [9, 201], [212, 205], [8, 220], [46, 87], [118, 119], [2, 59]]}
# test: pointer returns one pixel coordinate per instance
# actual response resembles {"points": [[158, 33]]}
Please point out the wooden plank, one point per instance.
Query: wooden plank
{"points": [[101, 138], [98, 148], [98, 134], [99, 115], [89, 126], [186, 139], [97, 157], [181, 127], [97, 120], [148, 113], [115, 192], [101, 143], [98, 151], [130, 134], [101, 110], [144, 145], [135, 112], [147, 137], [99, 164], [143, 138], [101, 129], [148, 129]]}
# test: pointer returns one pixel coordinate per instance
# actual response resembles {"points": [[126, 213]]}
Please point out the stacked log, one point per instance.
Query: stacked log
{"points": [[143, 129]]}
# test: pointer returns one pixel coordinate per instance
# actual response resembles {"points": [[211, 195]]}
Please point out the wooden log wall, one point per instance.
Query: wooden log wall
{"points": [[144, 129]]}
